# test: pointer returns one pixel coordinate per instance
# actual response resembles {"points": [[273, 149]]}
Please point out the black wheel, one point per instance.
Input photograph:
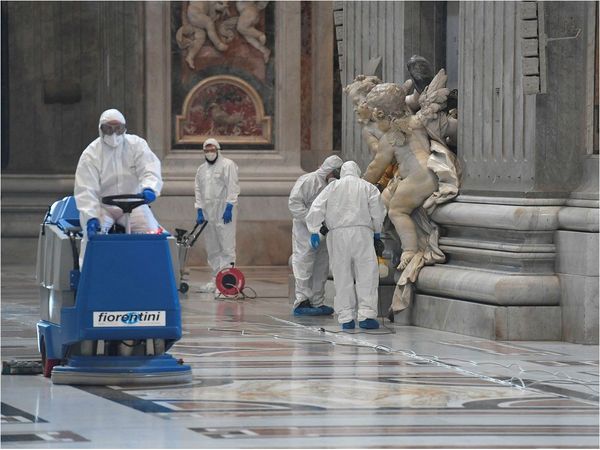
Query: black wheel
{"points": [[183, 288]]}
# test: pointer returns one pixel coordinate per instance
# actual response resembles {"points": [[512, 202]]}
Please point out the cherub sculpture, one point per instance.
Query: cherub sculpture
{"points": [[198, 22], [406, 140], [357, 91], [414, 136], [249, 16]]}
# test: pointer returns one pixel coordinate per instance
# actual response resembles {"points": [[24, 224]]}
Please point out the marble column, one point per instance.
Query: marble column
{"points": [[523, 153], [321, 123], [577, 235]]}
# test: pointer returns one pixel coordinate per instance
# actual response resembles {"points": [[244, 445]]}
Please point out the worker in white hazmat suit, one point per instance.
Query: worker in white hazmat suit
{"points": [[310, 266], [115, 163], [217, 190], [354, 212]]}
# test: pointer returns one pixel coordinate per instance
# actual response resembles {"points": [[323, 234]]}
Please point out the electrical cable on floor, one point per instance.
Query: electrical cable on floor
{"points": [[427, 358], [243, 332], [558, 376], [269, 324], [514, 381], [240, 294], [324, 341], [432, 359], [354, 331]]}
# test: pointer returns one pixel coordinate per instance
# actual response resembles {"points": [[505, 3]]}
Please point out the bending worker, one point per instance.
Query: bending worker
{"points": [[217, 190], [115, 163], [353, 211], [310, 267]]}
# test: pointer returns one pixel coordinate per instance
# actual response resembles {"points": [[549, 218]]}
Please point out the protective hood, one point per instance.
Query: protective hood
{"points": [[211, 141], [111, 115], [332, 162], [350, 169]]}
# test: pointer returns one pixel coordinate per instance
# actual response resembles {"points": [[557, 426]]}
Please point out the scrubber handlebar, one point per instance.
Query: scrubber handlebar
{"points": [[127, 202]]}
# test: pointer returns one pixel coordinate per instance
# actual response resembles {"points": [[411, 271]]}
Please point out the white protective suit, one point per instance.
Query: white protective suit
{"points": [[216, 185], [353, 211], [310, 267], [127, 168]]}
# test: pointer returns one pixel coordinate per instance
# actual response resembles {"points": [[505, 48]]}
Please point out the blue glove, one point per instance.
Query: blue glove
{"points": [[200, 217], [228, 214], [149, 195], [377, 236], [93, 226], [315, 240]]}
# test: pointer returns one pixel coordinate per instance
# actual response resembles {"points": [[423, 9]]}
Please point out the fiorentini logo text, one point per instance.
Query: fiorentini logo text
{"points": [[129, 318]]}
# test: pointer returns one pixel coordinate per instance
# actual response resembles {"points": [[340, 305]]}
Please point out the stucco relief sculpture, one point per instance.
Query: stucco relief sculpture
{"points": [[213, 19], [198, 22], [413, 132], [246, 25]]}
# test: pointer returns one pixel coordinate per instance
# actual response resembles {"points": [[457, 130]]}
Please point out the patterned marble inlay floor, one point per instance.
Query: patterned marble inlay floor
{"points": [[266, 379]]}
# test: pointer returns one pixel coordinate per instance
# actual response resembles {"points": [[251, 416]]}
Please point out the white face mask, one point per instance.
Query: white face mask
{"points": [[114, 140], [211, 156]]}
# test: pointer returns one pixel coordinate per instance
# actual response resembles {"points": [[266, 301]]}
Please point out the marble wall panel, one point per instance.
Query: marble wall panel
{"points": [[258, 244], [487, 321], [306, 56], [577, 253], [577, 268], [579, 305], [264, 229], [317, 84], [68, 62]]}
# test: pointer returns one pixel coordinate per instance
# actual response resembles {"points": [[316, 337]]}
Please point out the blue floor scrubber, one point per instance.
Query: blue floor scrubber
{"points": [[112, 321]]}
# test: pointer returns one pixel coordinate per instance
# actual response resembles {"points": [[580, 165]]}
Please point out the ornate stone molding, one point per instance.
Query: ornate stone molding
{"points": [[511, 217], [495, 288], [258, 117]]}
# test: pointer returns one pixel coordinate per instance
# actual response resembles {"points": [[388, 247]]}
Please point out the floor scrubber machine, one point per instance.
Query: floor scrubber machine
{"points": [[112, 321]]}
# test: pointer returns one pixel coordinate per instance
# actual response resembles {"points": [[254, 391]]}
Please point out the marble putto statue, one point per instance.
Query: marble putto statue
{"points": [[407, 132]]}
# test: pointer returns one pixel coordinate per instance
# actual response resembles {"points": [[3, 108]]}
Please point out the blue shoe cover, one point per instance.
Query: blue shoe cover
{"points": [[348, 325], [309, 311], [369, 324], [327, 310]]}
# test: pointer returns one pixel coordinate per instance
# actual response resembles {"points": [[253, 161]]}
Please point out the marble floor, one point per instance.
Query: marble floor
{"points": [[263, 378]]}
